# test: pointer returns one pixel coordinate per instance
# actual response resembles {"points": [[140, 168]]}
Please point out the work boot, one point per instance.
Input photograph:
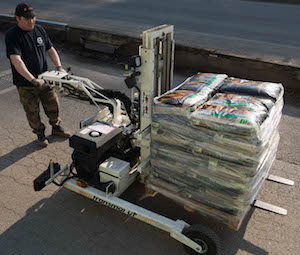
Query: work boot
{"points": [[43, 142], [58, 131]]}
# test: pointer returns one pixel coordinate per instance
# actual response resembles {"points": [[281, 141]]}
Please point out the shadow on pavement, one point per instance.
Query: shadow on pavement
{"points": [[53, 139], [22, 152], [68, 223], [17, 154], [291, 106], [232, 240]]}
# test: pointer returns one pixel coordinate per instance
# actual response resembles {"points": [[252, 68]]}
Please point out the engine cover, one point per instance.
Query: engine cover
{"points": [[91, 145]]}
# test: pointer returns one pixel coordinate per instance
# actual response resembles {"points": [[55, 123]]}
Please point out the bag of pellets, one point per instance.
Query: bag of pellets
{"points": [[237, 114], [263, 89], [193, 91]]}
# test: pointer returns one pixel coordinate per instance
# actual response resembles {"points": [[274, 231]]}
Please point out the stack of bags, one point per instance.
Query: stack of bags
{"points": [[214, 140]]}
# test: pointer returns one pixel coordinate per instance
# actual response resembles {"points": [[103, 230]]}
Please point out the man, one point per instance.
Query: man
{"points": [[26, 47]]}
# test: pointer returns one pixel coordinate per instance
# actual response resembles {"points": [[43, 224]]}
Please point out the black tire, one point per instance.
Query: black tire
{"points": [[208, 239]]}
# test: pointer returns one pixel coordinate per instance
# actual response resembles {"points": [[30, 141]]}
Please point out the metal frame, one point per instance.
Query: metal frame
{"points": [[280, 180], [60, 79], [156, 74], [269, 207]]}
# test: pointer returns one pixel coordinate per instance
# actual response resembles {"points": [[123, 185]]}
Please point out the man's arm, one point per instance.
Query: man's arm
{"points": [[22, 70], [55, 58], [21, 67]]}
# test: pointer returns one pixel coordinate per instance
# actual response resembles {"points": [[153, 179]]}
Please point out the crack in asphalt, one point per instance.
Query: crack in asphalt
{"points": [[16, 180], [9, 209], [286, 161]]}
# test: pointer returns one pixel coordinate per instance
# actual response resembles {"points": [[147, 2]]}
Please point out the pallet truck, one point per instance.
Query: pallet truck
{"points": [[112, 147]]}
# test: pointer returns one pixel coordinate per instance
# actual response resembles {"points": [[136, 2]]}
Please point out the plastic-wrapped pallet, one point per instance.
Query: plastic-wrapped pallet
{"points": [[205, 187], [217, 157]]}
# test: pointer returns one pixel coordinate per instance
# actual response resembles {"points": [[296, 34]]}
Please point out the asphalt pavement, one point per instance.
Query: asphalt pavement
{"points": [[265, 30], [58, 221]]}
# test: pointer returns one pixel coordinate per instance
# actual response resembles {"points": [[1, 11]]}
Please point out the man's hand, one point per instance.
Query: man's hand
{"points": [[40, 83], [60, 69]]}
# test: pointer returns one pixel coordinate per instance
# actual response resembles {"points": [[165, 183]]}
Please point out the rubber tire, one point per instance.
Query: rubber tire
{"points": [[200, 235]]}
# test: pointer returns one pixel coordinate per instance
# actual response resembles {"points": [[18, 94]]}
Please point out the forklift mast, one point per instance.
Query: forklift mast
{"points": [[156, 78]]}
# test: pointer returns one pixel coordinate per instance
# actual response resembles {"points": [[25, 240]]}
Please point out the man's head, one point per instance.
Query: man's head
{"points": [[25, 16]]}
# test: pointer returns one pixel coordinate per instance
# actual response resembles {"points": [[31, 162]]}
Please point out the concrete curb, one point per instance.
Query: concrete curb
{"points": [[8, 18], [187, 57]]}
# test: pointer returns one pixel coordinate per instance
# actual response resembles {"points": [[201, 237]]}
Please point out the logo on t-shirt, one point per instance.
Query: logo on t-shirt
{"points": [[40, 41]]}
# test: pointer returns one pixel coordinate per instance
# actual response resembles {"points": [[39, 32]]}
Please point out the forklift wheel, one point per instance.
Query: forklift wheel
{"points": [[205, 237]]}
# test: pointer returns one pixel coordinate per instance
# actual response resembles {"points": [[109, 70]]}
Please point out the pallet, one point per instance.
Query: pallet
{"points": [[233, 222]]}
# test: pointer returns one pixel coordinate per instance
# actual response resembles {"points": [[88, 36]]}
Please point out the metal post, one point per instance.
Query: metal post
{"points": [[157, 55]]}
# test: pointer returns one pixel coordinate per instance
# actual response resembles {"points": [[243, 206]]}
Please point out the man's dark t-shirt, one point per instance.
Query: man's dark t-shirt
{"points": [[32, 47]]}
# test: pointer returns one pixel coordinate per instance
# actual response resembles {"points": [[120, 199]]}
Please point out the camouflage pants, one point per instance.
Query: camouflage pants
{"points": [[30, 98]]}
